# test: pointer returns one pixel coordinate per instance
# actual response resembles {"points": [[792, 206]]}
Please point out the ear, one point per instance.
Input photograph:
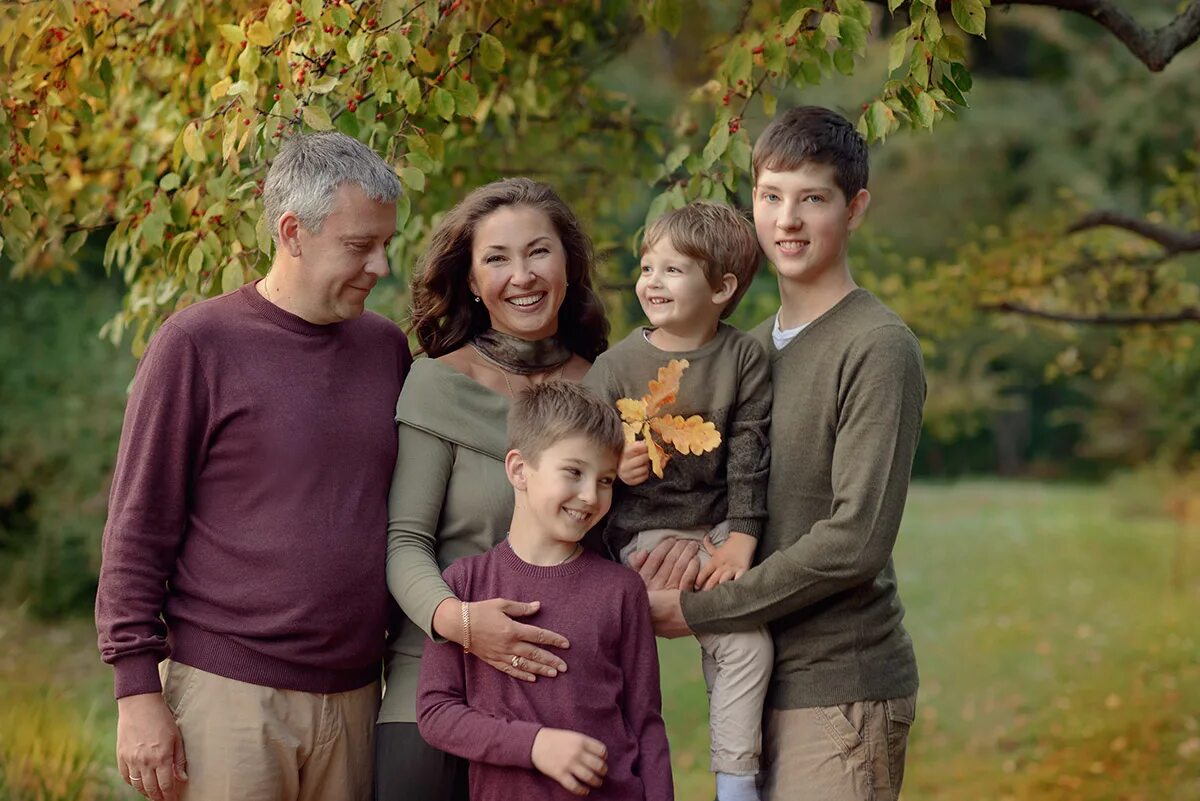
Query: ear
{"points": [[515, 467], [729, 286], [288, 232], [858, 209]]}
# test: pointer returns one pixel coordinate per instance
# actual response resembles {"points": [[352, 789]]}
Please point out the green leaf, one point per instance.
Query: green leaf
{"points": [[843, 61], [341, 17], [491, 53], [853, 34], [831, 25], [466, 98], [152, 230], [894, 4], [879, 120], [413, 178], [74, 242], [739, 66], [169, 182], [259, 34], [952, 91], [233, 276], [106, 72], [443, 104], [357, 47], [192, 145], [898, 49], [969, 15], [312, 9], [951, 47], [961, 76], [926, 109], [670, 15], [715, 148], [232, 34], [741, 154], [317, 118]]}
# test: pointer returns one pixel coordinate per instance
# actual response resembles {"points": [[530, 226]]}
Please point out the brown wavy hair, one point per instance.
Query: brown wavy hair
{"points": [[444, 315]]}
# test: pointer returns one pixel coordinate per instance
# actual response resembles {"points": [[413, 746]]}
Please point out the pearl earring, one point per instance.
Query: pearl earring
{"points": [[476, 298]]}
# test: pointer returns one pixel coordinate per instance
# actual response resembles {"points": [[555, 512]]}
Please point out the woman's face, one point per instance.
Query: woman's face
{"points": [[519, 271]]}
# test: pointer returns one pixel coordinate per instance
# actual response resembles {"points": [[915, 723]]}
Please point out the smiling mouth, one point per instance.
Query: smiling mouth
{"points": [[792, 245], [526, 301], [659, 301], [576, 515]]}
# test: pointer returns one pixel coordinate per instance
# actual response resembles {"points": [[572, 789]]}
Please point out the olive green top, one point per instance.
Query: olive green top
{"points": [[449, 499], [849, 392]]}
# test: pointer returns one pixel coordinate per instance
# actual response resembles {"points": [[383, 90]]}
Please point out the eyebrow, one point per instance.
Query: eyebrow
{"points": [[773, 188], [533, 241]]}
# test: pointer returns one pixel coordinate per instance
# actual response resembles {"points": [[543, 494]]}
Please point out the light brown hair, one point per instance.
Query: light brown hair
{"points": [[717, 236], [812, 134], [551, 411], [443, 314]]}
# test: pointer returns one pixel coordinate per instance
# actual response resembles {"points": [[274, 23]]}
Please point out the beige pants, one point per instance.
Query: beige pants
{"points": [[737, 669], [249, 743], [850, 752]]}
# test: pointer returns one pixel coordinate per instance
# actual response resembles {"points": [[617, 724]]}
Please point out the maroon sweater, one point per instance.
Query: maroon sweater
{"points": [[610, 690], [247, 522]]}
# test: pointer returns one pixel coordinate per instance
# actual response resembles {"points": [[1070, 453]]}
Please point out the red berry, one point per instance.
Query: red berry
{"points": [[277, 95], [351, 105]]}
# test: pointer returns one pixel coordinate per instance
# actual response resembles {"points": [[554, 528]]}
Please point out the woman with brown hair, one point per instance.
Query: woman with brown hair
{"points": [[503, 301]]}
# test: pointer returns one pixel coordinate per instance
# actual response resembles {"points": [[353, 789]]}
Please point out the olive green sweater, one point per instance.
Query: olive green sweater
{"points": [[849, 391], [449, 499]]}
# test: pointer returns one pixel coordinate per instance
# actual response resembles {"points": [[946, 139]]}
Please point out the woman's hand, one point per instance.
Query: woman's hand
{"points": [[574, 760], [673, 564], [503, 643], [728, 561]]}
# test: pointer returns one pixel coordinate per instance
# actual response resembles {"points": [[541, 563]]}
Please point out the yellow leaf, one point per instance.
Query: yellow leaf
{"points": [[317, 118], [259, 34], [221, 88], [658, 456], [695, 435], [632, 411], [664, 389], [631, 430], [191, 144]]}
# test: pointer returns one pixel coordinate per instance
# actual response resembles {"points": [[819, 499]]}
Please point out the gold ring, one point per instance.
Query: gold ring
{"points": [[516, 662]]}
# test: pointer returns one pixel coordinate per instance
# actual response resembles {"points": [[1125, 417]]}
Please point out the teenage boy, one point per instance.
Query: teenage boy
{"points": [[849, 387], [596, 730], [697, 263]]}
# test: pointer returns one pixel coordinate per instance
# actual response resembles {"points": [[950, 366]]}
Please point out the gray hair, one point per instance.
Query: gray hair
{"points": [[310, 168]]}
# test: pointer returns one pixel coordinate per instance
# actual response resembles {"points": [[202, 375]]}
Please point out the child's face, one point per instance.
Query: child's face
{"points": [[804, 222], [567, 491], [675, 293]]}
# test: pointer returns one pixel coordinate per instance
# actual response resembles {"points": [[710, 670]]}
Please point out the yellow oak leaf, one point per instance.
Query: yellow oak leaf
{"points": [[632, 411], [695, 435], [631, 432], [658, 456], [664, 389]]}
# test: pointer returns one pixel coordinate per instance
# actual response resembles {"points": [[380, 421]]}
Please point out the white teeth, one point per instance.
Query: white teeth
{"points": [[526, 301], [577, 516]]}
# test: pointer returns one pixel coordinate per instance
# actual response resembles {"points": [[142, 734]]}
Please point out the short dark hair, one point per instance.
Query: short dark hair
{"points": [[551, 411], [817, 135], [716, 235], [443, 315]]}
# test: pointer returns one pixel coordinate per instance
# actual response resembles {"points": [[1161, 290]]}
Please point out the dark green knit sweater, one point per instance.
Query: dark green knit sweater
{"points": [[848, 397]]}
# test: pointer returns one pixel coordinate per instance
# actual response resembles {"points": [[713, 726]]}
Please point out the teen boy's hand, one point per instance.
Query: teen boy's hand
{"points": [[634, 467], [728, 561], [574, 760]]}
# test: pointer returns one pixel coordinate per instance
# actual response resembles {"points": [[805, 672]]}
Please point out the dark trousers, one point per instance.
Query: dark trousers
{"points": [[407, 767]]}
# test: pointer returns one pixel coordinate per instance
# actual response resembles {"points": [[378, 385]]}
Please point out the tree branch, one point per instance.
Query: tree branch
{"points": [[1182, 316], [1153, 48], [1172, 241]]}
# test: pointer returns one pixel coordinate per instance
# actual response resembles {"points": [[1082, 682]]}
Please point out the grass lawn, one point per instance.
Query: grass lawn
{"points": [[1055, 626]]}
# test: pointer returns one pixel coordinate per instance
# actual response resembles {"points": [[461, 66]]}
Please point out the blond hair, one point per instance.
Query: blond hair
{"points": [[554, 410]]}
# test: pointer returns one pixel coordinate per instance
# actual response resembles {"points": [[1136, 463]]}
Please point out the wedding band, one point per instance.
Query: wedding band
{"points": [[516, 662], [135, 780]]}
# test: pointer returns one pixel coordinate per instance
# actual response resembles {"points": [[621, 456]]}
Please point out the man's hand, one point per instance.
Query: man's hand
{"points": [[672, 564], [574, 760], [496, 638], [634, 467], [728, 561], [667, 614], [149, 747]]}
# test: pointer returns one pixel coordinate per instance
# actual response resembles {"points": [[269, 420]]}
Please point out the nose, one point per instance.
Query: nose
{"points": [[523, 274], [789, 217], [587, 493], [377, 264]]}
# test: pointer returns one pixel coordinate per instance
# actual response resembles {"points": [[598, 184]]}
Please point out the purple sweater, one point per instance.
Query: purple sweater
{"points": [[247, 522], [610, 690]]}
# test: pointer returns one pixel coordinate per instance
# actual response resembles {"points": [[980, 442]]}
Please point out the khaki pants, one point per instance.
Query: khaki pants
{"points": [[850, 752], [737, 668], [249, 743]]}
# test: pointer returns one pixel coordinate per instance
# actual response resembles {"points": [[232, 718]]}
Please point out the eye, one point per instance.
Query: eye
{"points": [[494, 258], [540, 250], [770, 197], [674, 269], [606, 481], [814, 199], [573, 472], [645, 268]]}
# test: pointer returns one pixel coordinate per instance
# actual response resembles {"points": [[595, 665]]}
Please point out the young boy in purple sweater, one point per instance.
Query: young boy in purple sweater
{"points": [[598, 729]]}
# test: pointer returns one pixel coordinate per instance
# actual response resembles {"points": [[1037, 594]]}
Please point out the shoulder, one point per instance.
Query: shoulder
{"points": [[620, 580], [461, 573], [743, 345], [628, 348], [375, 324], [208, 316]]}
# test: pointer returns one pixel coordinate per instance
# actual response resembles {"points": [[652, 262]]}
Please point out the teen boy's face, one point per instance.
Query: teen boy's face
{"points": [[674, 291], [568, 490], [804, 222]]}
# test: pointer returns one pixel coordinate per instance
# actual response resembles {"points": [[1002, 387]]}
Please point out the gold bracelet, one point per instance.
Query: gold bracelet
{"points": [[466, 618]]}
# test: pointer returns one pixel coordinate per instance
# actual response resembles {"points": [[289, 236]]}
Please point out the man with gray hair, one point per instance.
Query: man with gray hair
{"points": [[242, 600]]}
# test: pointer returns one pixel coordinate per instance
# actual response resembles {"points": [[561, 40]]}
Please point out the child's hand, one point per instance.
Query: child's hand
{"points": [[727, 562], [634, 467], [574, 760]]}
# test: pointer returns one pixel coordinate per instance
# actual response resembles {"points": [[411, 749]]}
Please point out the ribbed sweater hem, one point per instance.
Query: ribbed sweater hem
{"points": [[214, 653]]}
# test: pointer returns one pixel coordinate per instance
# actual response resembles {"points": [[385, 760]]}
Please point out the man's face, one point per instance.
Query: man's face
{"points": [[803, 221], [340, 264]]}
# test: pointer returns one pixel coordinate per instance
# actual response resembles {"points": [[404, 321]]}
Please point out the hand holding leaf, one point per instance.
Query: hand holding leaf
{"points": [[693, 435]]}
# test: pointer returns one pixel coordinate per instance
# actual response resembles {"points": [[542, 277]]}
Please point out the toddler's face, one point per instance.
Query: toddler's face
{"points": [[674, 291]]}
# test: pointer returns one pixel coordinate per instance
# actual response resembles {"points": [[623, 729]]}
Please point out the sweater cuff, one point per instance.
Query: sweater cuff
{"points": [[520, 739], [136, 675], [747, 525], [698, 609]]}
